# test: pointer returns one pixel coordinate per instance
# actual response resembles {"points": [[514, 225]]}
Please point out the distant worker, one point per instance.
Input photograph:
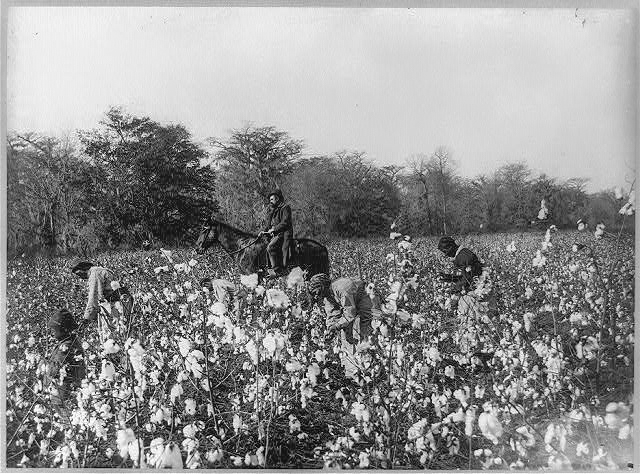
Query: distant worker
{"points": [[279, 228], [466, 265], [107, 302], [476, 307]]}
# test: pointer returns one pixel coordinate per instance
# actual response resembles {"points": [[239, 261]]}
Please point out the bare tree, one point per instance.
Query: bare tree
{"points": [[418, 165], [442, 167]]}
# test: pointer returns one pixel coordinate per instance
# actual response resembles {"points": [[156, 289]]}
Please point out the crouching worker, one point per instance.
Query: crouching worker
{"points": [[233, 296], [476, 303], [349, 309], [107, 302], [65, 368], [466, 265]]}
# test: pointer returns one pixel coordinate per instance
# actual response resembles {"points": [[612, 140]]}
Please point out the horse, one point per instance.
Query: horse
{"points": [[250, 250]]}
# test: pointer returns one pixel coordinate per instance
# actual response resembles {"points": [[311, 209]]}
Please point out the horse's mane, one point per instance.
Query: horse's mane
{"points": [[244, 233]]}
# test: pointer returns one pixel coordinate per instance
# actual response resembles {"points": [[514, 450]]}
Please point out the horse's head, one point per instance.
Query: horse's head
{"points": [[208, 236]]}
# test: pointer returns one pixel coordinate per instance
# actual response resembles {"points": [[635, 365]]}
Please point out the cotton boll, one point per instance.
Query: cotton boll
{"points": [[490, 426], [171, 458], [190, 406]]}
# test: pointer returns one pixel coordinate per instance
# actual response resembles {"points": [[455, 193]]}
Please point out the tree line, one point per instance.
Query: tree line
{"points": [[132, 180]]}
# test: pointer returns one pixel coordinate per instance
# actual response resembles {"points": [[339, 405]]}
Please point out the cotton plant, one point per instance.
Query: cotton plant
{"points": [[178, 346]]}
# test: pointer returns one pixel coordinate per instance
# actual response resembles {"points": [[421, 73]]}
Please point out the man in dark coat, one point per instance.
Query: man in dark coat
{"points": [[466, 264], [280, 229]]}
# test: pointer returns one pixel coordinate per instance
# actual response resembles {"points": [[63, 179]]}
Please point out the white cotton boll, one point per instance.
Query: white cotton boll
{"points": [[134, 451], [192, 363], [108, 371], [157, 417], [156, 450], [490, 426], [252, 350], [613, 421], [110, 347], [190, 430], [295, 278], [320, 355], [176, 392], [542, 214], [218, 308], [237, 423], [44, 447], [123, 438], [250, 281], [277, 298], [624, 432], [449, 371], [171, 458], [469, 419], [394, 235], [214, 455], [190, 406], [294, 424], [269, 343], [239, 333], [293, 366], [185, 346], [312, 374], [404, 245]]}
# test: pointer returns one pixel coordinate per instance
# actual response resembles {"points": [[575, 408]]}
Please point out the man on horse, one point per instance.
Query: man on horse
{"points": [[280, 230]]}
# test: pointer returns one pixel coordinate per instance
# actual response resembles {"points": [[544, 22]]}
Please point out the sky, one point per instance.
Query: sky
{"points": [[554, 88]]}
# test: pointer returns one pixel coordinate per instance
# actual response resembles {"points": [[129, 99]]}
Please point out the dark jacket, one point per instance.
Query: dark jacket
{"points": [[279, 219], [466, 266]]}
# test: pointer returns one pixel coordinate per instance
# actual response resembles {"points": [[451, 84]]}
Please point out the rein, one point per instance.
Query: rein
{"points": [[257, 239]]}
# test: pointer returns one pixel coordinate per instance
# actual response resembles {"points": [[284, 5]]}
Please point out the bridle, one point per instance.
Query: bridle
{"points": [[257, 239]]}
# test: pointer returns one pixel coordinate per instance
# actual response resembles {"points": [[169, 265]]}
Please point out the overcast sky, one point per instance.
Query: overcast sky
{"points": [[555, 88]]}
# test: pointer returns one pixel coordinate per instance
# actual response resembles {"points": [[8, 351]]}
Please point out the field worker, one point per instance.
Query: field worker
{"points": [[107, 301], [348, 308], [279, 228], [476, 307], [228, 293], [65, 368], [466, 264]]}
